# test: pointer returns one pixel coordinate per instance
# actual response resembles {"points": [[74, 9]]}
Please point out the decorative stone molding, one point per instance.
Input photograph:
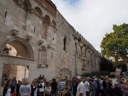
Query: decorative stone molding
{"points": [[51, 48], [28, 37], [14, 32], [40, 42], [42, 66], [43, 48], [31, 10], [19, 2]]}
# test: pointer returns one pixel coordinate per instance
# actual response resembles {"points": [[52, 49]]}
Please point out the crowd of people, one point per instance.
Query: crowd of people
{"points": [[76, 86]]}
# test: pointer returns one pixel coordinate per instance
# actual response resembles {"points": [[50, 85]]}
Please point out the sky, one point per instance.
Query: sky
{"points": [[93, 18]]}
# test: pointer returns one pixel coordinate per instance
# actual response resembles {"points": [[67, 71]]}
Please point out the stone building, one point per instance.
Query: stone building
{"points": [[35, 39]]}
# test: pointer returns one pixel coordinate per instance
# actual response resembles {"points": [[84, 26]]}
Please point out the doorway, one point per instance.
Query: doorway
{"points": [[18, 71]]}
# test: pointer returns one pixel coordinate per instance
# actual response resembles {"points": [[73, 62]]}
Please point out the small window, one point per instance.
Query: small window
{"points": [[65, 41], [34, 29], [5, 14]]}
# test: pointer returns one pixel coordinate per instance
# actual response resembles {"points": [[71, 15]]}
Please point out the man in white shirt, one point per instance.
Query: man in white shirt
{"points": [[81, 91], [87, 86]]}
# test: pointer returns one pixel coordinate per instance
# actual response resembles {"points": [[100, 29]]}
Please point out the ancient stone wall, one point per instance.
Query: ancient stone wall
{"points": [[75, 54], [43, 41]]}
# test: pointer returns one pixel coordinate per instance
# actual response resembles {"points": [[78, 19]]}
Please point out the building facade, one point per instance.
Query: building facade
{"points": [[37, 40]]}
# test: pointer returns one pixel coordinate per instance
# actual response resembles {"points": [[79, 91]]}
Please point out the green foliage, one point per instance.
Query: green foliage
{"points": [[106, 65], [115, 44], [122, 66]]}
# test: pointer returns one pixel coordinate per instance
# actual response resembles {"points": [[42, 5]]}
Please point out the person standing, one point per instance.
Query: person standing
{"points": [[34, 88], [87, 86], [7, 91], [25, 88], [47, 89], [41, 87], [14, 85], [18, 87], [81, 91], [74, 85], [61, 87], [54, 87]]}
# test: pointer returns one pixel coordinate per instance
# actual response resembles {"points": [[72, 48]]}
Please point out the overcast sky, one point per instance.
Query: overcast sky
{"points": [[93, 18]]}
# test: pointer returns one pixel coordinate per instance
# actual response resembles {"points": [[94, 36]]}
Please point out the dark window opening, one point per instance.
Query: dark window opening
{"points": [[34, 29], [65, 41], [5, 15]]}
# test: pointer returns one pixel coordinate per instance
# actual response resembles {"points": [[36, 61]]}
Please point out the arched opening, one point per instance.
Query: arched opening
{"points": [[54, 24], [46, 23], [26, 4], [17, 47], [38, 11], [46, 20], [14, 71], [42, 57]]}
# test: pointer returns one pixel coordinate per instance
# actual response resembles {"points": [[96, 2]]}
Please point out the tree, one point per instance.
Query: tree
{"points": [[115, 44], [122, 66], [106, 65]]}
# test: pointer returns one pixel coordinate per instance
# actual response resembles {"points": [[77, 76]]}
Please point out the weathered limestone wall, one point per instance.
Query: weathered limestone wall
{"points": [[44, 41], [79, 56], [26, 27]]}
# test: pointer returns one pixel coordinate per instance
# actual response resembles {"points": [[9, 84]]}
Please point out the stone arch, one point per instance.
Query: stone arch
{"points": [[38, 11], [43, 48], [46, 23], [46, 20], [17, 47], [26, 4]]}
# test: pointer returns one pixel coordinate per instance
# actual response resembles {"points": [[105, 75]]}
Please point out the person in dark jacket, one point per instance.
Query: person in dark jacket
{"points": [[7, 91], [118, 90], [111, 90], [18, 87], [54, 85], [34, 88]]}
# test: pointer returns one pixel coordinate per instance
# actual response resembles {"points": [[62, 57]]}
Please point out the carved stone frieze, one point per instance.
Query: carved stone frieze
{"points": [[28, 37], [14, 32], [40, 42]]}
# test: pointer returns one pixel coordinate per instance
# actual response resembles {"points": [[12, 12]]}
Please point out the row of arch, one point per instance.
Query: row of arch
{"points": [[26, 4], [46, 18]]}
